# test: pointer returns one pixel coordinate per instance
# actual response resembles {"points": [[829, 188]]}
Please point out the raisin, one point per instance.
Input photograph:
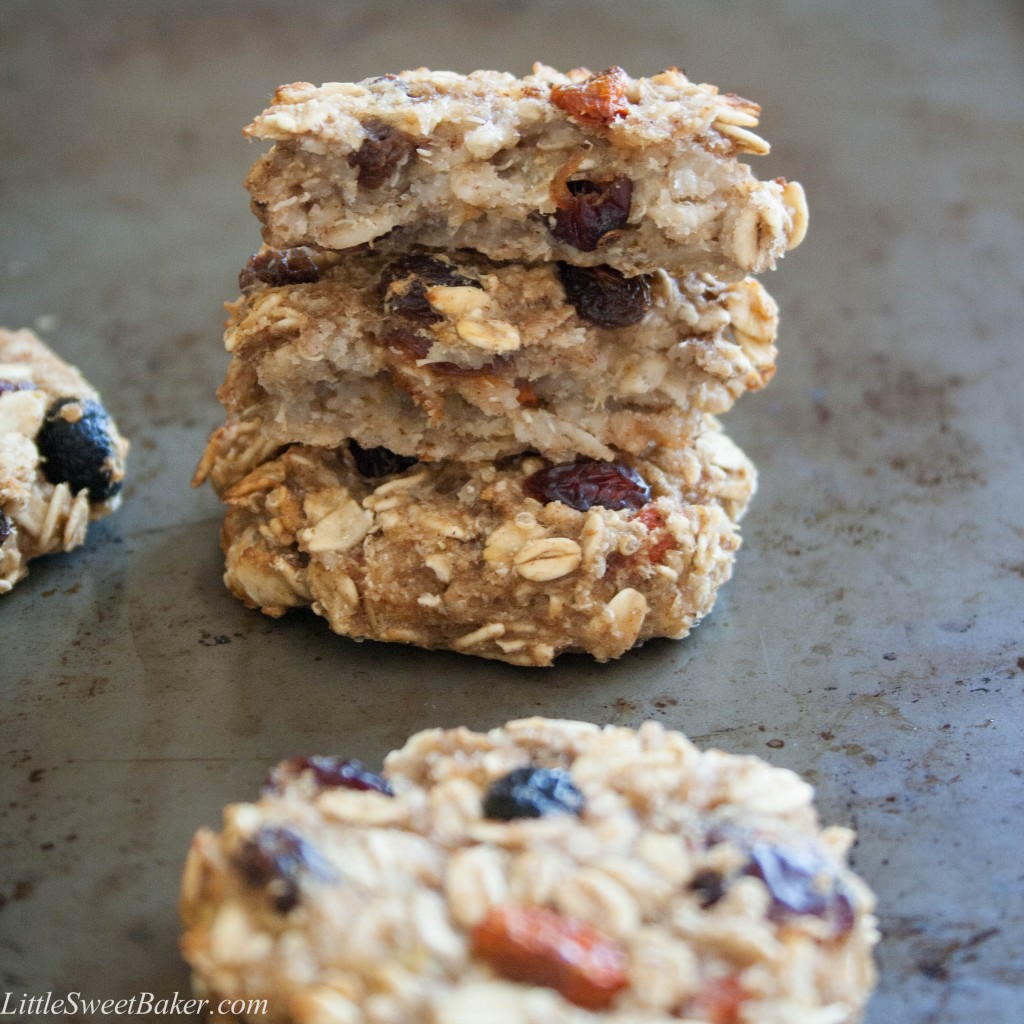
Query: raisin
{"points": [[77, 448], [16, 385], [708, 886], [592, 210], [5, 526], [597, 101], [276, 858], [377, 462], [278, 267], [383, 151], [801, 881], [405, 343], [404, 283], [603, 296], [588, 482], [542, 947], [532, 793], [329, 772]]}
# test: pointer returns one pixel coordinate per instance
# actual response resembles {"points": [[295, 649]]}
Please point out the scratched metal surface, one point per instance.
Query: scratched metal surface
{"points": [[872, 635]]}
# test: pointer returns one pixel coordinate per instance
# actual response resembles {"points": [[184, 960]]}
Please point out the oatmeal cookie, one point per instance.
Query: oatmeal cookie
{"points": [[454, 356], [518, 560], [61, 456], [591, 169], [547, 872]]}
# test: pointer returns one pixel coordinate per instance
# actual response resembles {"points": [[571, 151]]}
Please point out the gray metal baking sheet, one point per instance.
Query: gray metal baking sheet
{"points": [[872, 635]]}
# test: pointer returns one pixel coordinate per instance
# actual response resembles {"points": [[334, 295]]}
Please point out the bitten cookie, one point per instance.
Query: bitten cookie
{"points": [[548, 872], [518, 560], [454, 356], [639, 174], [61, 456]]}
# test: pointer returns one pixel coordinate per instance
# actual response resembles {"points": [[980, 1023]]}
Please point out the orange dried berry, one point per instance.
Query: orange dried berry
{"points": [[660, 540], [719, 1001], [542, 947], [597, 101]]}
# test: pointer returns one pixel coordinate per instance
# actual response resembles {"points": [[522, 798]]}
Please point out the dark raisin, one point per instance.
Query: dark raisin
{"points": [[5, 527], [404, 283], [532, 793], [329, 772], [383, 151], [405, 343], [278, 267], [377, 462], [801, 881], [603, 296], [15, 385], [597, 101], [75, 443], [588, 482], [592, 210], [276, 858], [708, 886]]}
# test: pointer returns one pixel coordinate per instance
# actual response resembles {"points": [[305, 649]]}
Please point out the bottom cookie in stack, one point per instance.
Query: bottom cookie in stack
{"points": [[548, 872], [517, 560]]}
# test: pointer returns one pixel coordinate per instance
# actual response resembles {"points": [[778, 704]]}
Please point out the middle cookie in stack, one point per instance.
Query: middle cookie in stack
{"points": [[509, 459]]}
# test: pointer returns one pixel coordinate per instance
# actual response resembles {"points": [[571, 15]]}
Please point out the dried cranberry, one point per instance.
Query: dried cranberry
{"points": [[719, 1001], [593, 209], [708, 886], [77, 447], [377, 462], [538, 946], [278, 267], [16, 385], [404, 283], [802, 881], [329, 772], [597, 101], [603, 296], [276, 858], [588, 482], [532, 793], [383, 151], [5, 526]]}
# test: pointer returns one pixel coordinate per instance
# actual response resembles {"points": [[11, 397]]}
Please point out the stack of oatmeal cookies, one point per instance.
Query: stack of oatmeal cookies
{"points": [[476, 366]]}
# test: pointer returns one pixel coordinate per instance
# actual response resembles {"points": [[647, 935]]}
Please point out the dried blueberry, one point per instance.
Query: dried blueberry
{"points": [[278, 267], [588, 482], [708, 886], [603, 296], [77, 449], [330, 773], [276, 858], [383, 151], [377, 462], [5, 527], [532, 793], [802, 881], [16, 385], [592, 210], [404, 283]]}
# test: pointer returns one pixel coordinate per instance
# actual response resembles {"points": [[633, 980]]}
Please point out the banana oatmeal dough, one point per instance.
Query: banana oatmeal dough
{"points": [[518, 560], [453, 356], [546, 872], [639, 174], [61, 456]]}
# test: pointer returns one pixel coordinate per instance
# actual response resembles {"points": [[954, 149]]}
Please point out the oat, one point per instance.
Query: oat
{"points": [[548, 559]]}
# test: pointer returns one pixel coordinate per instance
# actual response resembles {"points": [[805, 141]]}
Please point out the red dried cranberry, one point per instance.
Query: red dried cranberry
{"points": [[278, 858], [597, 101], [719, 1001], [603, 296], [802, 881], [404, 283], [278, 267], [16, 385], [592, 211], [5, 526], [383, 151], [588, 482], [77, 448], [377, 462], [329, 773]]}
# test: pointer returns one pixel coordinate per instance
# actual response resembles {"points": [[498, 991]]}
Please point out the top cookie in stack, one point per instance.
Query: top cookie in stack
{"points": [[536, 285]]}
